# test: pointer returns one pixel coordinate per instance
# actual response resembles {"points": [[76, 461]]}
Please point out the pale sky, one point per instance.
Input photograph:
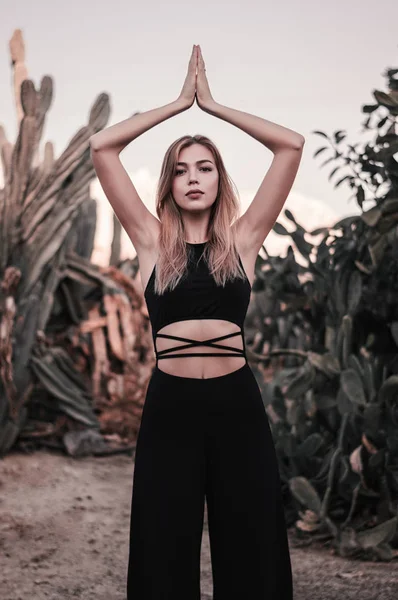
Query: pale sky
{"points": [[305, 65]]}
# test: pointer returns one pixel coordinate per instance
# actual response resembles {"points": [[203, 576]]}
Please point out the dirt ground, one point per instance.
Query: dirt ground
{"points": [[64, 526]]}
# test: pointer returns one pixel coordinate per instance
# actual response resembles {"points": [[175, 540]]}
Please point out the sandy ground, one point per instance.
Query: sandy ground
{"points": [[64, 527]]}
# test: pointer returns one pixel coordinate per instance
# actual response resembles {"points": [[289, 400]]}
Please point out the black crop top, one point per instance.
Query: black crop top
{"points": [[197, 296]]}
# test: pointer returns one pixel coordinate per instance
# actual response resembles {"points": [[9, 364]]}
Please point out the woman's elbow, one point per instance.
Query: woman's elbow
{"points": [[94, 143]]}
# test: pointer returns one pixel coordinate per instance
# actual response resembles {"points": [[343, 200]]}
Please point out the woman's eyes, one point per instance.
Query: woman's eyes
{"points": [[178, 171]]}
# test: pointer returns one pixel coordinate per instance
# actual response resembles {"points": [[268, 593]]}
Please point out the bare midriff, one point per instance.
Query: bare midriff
{"points": [[224, 356]]}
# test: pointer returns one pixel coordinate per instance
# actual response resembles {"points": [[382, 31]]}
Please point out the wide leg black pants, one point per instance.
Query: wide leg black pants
{"points": [[207, 439]]}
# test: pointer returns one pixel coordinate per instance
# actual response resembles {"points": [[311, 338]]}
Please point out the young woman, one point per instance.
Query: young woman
{"points": [[204, 433]]}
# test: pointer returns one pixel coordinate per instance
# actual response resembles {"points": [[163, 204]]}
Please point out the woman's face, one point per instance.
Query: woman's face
{"points": [[195, 174]]}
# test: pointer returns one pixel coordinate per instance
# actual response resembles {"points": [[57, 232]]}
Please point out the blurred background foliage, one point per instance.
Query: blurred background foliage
{"points": [[323, 339]]}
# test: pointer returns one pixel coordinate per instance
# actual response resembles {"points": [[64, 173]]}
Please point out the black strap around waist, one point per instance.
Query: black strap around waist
{"points": [[192, 343]]}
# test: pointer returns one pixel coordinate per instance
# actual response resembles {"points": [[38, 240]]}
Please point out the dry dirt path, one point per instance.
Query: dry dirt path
{"points": [[64, 534]]}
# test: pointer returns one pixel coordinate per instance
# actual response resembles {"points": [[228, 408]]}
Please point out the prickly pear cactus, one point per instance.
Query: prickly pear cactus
{"points": [[328, 326]]}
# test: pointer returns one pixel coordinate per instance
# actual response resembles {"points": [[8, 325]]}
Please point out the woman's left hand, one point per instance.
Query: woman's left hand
{"points": [[204, 98]]}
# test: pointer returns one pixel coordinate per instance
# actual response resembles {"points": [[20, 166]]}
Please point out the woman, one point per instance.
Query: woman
{"points": [[204, 432]]}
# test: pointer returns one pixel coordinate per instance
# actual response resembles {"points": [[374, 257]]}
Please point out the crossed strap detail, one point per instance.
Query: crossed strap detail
{"points": [[191, 343]]}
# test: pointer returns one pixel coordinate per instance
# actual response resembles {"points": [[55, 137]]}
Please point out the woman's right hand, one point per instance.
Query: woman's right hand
{"points": [[187, 95]]}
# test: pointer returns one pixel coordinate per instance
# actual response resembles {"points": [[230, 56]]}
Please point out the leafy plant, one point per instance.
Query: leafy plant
{"points": [[329, 329]]}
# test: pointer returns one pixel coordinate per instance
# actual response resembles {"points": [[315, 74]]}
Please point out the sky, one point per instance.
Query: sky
{"points": [[304, 65]]}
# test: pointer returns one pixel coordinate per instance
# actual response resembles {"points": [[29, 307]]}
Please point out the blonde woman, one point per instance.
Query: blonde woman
{"points": [[204, 433]]}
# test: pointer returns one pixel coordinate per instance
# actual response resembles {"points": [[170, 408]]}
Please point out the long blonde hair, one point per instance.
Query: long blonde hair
{"points": [[220, 252]]}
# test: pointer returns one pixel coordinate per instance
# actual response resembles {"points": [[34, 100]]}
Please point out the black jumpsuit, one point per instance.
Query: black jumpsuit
{"points": [[205, 439]]}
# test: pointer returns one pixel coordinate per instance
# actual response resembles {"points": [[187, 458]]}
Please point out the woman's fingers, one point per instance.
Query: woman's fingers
{"points": [[188, 91], [204, 97], [201, 62], [193, 60]]}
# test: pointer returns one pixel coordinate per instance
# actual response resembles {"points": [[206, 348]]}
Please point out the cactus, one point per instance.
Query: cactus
{"points": [[329, 330], [47, 227]]}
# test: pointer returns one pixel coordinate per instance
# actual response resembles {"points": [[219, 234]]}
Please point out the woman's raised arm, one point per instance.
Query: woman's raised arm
{"points": [[139, 223], [117, 137], [141, 226]]}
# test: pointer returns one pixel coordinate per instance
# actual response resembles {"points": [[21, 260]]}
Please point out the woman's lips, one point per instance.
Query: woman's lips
{"points": [[194, 194]]}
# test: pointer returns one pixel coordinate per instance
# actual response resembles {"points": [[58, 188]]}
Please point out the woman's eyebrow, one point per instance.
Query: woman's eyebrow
{"points": [[197, 162]]}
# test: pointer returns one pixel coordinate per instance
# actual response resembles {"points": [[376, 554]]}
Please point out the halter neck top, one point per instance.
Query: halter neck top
{"points": [[197, 296]]}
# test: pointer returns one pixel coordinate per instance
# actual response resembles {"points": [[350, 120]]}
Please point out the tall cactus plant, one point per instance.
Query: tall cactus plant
{"points": [[45, 212]]}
